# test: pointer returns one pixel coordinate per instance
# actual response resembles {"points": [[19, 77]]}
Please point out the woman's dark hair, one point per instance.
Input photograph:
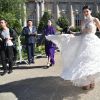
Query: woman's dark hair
{"points": [[86, 7], [50, 20]]}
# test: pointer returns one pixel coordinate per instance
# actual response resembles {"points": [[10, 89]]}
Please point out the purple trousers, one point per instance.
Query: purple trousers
{"points": [[50, 51]]}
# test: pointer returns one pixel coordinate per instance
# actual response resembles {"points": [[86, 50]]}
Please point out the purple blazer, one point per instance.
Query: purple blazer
{"points": [[49, 30]]}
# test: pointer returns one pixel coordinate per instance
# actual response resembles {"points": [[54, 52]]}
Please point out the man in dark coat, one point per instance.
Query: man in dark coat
{"points": [[7, 37], [30, 32]]}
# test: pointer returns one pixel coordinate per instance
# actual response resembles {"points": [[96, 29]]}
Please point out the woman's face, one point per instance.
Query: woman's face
{"points": [[86, 12], [49, 23]]}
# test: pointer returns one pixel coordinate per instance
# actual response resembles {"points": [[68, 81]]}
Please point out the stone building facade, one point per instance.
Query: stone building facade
{"points": [[72, 9]]}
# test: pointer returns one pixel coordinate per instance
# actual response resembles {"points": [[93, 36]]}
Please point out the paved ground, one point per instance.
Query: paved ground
{"points": [[35, 83]]}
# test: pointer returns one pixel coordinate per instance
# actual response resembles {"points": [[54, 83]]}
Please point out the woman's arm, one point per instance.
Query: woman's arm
{"points": [[97, 23]]}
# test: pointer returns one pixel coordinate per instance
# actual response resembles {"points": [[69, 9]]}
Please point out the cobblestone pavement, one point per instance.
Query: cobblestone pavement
{"points": [[35, 83]]}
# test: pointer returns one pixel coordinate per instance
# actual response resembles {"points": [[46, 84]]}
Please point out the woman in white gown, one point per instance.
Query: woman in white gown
{"points": [[81, 54]]}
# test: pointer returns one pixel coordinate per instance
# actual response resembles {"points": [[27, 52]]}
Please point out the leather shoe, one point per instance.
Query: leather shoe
{"points": [[2, 74], [10, 71]]}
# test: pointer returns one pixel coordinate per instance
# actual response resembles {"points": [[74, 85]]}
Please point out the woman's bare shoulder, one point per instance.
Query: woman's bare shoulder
{"points": [[96, 19]]}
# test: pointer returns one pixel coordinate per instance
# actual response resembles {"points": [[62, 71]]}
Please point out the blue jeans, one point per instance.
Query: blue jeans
{"points": [[30, 52]]}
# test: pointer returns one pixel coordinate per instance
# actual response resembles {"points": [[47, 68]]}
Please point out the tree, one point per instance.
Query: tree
{"points": [[12, 11], [63, 22], [11, 20], [43, 21], [97, 15], [12, 6], [41, 26]]}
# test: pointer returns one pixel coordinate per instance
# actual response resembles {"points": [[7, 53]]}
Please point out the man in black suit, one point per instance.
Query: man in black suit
{"points": [[30, 32]]}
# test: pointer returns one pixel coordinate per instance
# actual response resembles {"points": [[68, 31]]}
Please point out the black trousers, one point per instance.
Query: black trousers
{"points": [[3, 58], [15, 52], [7, 57], [10, 55]]}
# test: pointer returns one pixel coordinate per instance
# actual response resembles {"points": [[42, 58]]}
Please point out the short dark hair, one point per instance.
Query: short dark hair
{"points": [[29, 20], [86, 7], [3, 20]]}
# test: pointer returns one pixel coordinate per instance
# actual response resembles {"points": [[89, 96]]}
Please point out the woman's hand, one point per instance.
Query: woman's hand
{"points": [[72, 35], [10, 38]]}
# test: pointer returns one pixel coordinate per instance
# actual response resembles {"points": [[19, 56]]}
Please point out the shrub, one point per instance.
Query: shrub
{"points": [[76, 29], [12, 21], [43, 22], [62, 22]]}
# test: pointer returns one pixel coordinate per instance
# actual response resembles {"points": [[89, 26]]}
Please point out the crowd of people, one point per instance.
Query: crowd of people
{"points": [[80, 53], [8, 50], [30, 32]]}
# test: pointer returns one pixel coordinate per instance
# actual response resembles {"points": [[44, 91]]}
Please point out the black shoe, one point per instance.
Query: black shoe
{"points": [[51, 65], [2, 74], [10, 71], [45, 67], [32, 62], [1, 68], [29, 63]]}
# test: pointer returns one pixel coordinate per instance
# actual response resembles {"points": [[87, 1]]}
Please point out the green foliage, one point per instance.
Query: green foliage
{"points": [[97, 15], [40, 49], [13, 22], [43, 21], [76, 29], [12, 11], [58, 28], [62, 22], [13, 6], [9, 17], [17, 26]]}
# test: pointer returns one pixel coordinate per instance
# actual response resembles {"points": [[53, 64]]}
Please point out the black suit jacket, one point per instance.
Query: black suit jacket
{"points": [[29, 38]]}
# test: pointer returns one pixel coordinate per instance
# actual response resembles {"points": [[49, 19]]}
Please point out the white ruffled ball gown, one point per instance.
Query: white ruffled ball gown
{"points": [[80, 55]]}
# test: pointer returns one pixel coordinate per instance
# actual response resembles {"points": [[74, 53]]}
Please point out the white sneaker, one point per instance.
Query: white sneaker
{"points": [[48, 64]]}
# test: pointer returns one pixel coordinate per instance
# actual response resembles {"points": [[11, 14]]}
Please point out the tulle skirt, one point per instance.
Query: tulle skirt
{"points": [[81, 57]]}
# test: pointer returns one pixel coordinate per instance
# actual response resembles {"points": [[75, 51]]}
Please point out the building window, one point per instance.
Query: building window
{"points": [[49, 7], [77, 13], [77, 21], [31, 11], [63, 8]]}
